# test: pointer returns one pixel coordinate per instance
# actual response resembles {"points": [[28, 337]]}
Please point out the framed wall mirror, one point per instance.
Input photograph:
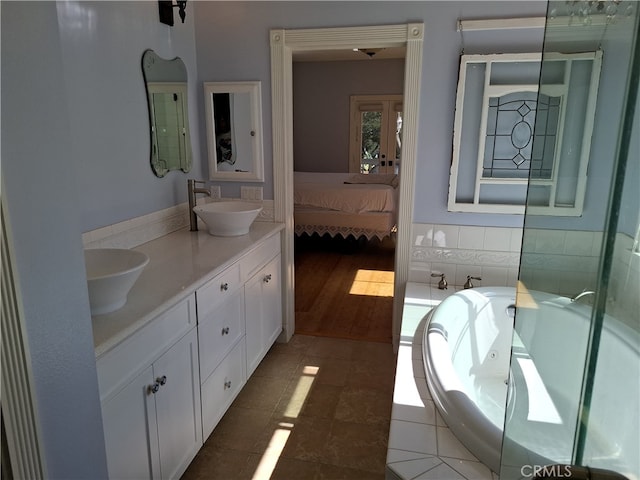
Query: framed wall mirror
{"points": [[233, 113], [166, 85]]}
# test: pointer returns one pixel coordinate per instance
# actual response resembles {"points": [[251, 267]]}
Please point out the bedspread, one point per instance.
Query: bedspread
{"points": [[350, 198]]}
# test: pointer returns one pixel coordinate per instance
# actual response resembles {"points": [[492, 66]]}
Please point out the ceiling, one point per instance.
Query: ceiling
{"points": [[342, 55]]}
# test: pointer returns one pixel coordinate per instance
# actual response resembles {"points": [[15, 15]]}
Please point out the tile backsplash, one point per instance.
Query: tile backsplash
{"points": [[491, 253], [139, 230], [563, 262]]}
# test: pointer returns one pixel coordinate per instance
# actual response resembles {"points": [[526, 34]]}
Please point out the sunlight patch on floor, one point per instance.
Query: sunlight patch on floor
{"points": [[272, 454], [280, 436], [374, 283]]}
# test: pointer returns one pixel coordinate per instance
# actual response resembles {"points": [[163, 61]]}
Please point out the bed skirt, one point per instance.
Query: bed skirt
{"points": [[369, 225]]}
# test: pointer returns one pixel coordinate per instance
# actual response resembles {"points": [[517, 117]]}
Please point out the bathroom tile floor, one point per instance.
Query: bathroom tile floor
{"points": [[315, 408]]}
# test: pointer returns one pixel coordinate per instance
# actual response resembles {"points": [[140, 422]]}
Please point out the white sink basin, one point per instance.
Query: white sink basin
{"points": [[228, 219], [111, 272]]}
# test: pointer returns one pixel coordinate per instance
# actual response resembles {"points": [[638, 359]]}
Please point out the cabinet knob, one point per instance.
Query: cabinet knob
{"points": [[227, 384], [154, 388], [267, 278], [162, 380], [224, 287], [225, 331]]}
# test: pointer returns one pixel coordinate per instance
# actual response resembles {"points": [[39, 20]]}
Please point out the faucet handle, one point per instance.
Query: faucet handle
{"points": [[442, 284], [468, 283]]}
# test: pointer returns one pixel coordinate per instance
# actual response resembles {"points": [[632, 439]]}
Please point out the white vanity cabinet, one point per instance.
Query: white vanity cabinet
{"points": [[150, 391], [263, 312], [166, 379], [233, 337]]}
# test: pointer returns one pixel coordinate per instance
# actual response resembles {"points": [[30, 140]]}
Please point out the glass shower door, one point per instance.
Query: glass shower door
{"points": [[574, 386]]}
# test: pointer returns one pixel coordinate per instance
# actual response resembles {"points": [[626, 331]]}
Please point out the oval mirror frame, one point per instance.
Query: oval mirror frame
{"points": [[233, 112], [166, 86]]}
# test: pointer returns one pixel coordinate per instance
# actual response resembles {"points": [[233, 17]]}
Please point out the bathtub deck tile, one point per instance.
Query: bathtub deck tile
{"points": [[472, 470], [413, 437], [450, 446], [441, 472], [415, 467], [422, 412]]}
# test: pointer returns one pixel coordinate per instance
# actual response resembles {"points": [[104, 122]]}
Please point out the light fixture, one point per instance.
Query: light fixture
{"points": [[165, 10]]}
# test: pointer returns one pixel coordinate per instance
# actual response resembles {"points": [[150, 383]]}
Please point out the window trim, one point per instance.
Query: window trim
{"points": [[554, 89]]}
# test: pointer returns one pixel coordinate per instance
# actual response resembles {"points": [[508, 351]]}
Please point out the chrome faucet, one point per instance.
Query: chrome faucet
{"points": [[192, 189], [468, 283], [442, 284], [584, 293]]}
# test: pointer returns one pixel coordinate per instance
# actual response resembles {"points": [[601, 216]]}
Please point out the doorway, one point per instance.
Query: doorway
{"points": [[283, 43]]}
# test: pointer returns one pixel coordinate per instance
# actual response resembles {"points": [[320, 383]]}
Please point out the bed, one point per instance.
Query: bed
{"points": [[345, 204]]}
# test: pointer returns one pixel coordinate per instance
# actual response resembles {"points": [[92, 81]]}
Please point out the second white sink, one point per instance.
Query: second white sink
{"points": [[111, 272], [228, 219]]}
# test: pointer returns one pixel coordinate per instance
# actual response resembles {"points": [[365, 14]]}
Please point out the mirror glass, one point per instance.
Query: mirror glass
{"points": [[166, 84], [234, 131]]}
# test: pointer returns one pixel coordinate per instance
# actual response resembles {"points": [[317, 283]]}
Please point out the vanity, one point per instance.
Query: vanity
{"points": [[197, 323]]}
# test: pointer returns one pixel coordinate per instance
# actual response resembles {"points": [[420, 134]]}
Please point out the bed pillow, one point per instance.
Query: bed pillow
{"points": [[384, 179]]}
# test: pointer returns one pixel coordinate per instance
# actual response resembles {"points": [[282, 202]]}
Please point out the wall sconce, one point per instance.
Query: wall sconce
{"points": [[165, 9]]}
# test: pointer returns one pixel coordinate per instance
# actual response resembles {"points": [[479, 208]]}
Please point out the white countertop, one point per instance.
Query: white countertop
{"points": [[180, 262]]}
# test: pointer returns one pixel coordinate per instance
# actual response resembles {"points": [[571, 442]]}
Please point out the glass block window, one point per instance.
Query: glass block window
{"points": [[510, 132]]}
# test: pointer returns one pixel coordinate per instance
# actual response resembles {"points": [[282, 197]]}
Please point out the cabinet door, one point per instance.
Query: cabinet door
{"points": [[130, 432], [263, 310], [178, 405]]}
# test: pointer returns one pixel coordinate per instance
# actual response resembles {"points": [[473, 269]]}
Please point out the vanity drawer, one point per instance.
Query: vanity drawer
{"points": [[255, 260], [219, 331], [119, 365], [222, 387], [217, 290]]}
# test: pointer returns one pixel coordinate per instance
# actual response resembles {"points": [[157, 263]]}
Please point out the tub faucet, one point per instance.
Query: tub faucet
{"points": [[468, 283], [584, 293], [442, 284], [192, 189]]}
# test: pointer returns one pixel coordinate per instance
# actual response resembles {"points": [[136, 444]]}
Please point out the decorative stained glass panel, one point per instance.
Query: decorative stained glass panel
{"points": [[510, 150]]}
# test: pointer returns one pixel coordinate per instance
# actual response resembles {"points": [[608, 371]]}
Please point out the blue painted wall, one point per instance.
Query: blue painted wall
{"points": [[232, 42]]}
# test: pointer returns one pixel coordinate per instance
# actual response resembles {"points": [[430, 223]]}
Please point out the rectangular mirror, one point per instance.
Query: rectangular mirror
{"points": [[233, 113]]}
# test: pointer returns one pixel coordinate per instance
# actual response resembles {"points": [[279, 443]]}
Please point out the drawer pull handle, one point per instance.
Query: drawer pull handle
{"points": [[225, 331], [227, 384], [154, 388], [162, 380], [267, 278], [224, 287]]}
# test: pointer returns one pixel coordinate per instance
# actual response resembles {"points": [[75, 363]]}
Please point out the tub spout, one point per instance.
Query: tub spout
{"points": [[584, 293], [442, 284]]}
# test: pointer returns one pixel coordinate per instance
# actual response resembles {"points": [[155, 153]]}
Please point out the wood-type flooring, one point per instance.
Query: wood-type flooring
{"points": [[344, 288]]}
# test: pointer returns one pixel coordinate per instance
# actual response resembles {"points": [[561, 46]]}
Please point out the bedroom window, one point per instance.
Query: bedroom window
{"points": [[509, 134], [375, 133]]}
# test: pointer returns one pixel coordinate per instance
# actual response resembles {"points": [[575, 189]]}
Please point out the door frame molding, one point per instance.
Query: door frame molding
{"points": [[283, 43]]}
